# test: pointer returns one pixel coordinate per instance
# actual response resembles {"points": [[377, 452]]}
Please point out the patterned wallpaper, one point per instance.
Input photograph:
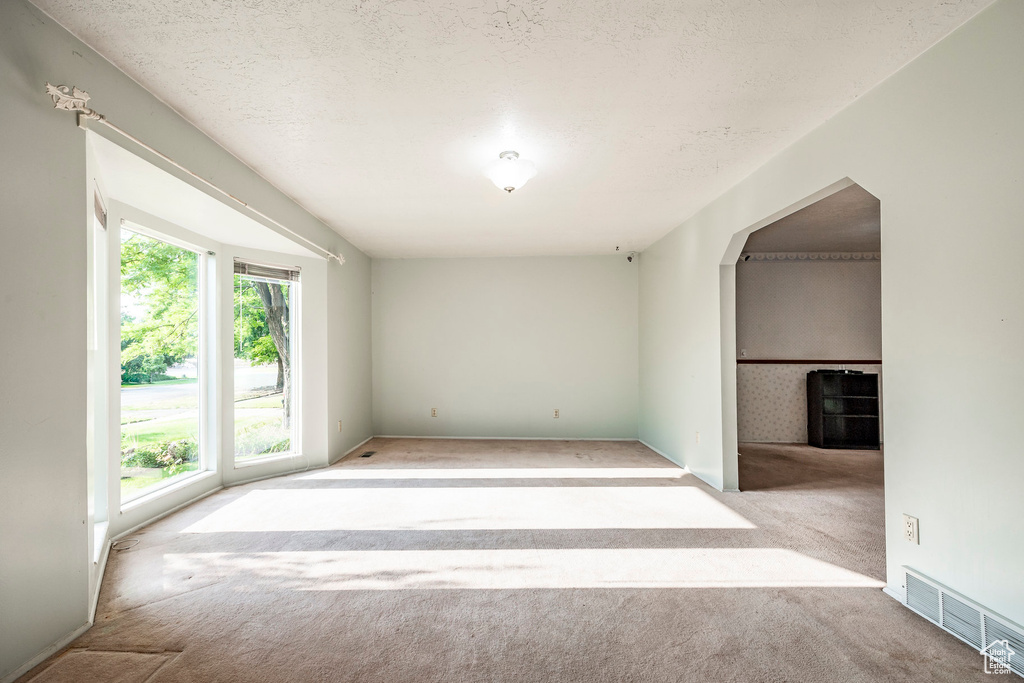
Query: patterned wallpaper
{"points": [[772, 400]]}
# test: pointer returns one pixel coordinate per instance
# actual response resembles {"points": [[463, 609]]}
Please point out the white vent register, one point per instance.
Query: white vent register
{"points": [[964, 618]]}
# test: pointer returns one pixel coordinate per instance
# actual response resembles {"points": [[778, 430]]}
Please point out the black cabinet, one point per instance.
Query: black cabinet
{"points": [[842, 409]]}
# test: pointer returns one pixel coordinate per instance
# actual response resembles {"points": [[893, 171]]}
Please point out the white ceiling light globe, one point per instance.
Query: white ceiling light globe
{"points": [[510, 172]]}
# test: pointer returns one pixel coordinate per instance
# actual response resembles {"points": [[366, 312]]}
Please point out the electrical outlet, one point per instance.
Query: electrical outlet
{"points": [[911, 531], [339, 425], [433, 412], [698, 438], [556, 413]]}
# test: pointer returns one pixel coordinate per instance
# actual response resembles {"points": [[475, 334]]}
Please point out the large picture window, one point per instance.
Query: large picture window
{"points": [[266, 412], [160, 368], [196, 343]]}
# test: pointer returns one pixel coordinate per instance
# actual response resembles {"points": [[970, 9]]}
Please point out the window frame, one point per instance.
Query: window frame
{"points": [[175, 214], [295, 340], [122, 216], [97, 387]]}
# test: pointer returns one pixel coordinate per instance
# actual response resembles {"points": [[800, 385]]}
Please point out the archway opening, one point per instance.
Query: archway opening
{"points": [[802, 370]]}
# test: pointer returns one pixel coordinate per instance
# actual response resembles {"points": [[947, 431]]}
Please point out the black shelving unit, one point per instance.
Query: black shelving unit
{"points": [[842, 409]]}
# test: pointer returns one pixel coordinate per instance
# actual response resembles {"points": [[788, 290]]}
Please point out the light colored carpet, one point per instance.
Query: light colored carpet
{"points": [[92, 666], [527, 561]]}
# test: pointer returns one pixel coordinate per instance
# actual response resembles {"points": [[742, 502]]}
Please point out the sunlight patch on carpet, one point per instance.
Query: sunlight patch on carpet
{"points": [[519, 569], [390, 509]]}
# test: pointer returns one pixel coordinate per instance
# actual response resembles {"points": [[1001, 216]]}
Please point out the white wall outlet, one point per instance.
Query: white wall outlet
{"points": [[911, 531], [556, 413], [433, 412], [339, 425], [698, 438]]}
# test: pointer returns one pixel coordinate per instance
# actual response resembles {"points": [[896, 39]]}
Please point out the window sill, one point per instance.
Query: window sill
{"points": [[270, 458], [141, 501]]}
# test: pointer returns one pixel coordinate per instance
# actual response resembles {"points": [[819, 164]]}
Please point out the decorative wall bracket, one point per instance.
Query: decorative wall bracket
{"points": [[70, 98]]}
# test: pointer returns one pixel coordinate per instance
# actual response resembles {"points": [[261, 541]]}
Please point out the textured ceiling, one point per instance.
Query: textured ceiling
{"points": [[380, 116], [847, 221]]}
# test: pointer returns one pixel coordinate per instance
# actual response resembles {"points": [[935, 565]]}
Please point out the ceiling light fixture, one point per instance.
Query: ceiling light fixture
{"points": [[510, 172]]}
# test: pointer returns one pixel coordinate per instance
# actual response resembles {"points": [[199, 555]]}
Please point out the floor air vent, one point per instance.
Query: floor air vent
{"points": [[994, 631], [923, 598], [962, 619], [367, 454], [967, 620]]}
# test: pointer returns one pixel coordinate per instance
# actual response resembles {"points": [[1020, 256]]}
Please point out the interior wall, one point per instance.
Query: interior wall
{"points": [[497, 344], [809, 309], [823, 310], [44, 582], [350, 363], [940, 144], [44, 593]]}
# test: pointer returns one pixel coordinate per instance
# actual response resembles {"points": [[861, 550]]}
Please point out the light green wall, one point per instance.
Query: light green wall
{"points": [[43, 570], [349, 365], [43, 207], [497, 344], [941, 145]]}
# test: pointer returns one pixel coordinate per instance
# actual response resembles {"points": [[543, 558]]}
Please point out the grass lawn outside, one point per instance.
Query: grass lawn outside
{"points": [[133, 485], [152, 431], [258, 437], [272, 401], [147, 431]]}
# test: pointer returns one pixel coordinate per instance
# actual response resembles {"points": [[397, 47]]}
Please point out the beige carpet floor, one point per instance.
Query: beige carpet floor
{"points": [[519, 561]]}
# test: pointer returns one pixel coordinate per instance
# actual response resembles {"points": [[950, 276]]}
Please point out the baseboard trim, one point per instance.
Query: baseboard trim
{"points": [[101, 569], [688, 470], [504, 438], [46, 653], [716, 487], [895, 594], [352, 450], [667, 456]]}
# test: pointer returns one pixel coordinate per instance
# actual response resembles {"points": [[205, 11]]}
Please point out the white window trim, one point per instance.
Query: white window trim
{"points": [[218, 468], [295, 322], [300, 402], [122, 215]]}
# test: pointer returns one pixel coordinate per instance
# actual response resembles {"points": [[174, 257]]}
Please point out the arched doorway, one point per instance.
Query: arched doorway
{"points": [[800, 292]]}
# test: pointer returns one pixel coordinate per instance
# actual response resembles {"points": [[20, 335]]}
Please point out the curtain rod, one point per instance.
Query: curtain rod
{"points": [[72, 99]]}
